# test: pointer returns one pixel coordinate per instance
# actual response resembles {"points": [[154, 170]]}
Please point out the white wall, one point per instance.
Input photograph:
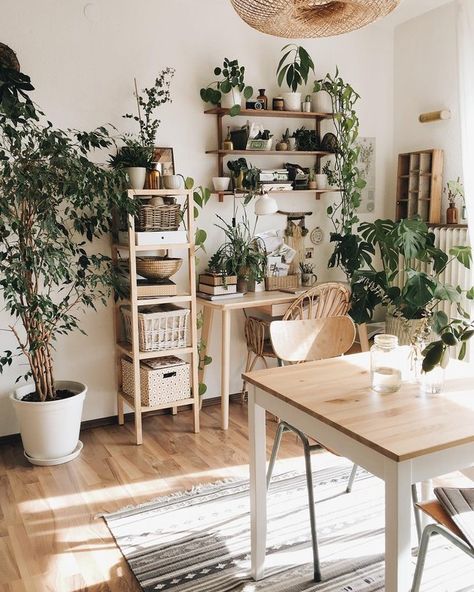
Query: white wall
{"points": [[426, 79], [83, 72]]}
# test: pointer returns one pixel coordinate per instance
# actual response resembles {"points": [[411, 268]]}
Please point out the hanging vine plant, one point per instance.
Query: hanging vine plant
{"points": [[349, 251]]}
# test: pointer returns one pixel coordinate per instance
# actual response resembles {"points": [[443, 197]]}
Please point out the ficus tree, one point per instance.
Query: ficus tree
{"points": [[54, 201]]}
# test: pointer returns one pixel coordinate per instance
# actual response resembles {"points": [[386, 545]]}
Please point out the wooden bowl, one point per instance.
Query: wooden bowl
{"points": [[158, 268]]}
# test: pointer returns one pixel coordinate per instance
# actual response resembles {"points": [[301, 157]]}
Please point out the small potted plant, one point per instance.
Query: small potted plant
{"points": [[321, 100], [312, 180], [283, 144], [228, 90], [237, 169], [136, 155], [53, 201], [307, 140], [308, 277], [294, 68], [454, 191]]}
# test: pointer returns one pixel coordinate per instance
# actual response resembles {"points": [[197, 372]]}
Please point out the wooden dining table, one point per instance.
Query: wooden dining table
{"points": [[402, 438]]}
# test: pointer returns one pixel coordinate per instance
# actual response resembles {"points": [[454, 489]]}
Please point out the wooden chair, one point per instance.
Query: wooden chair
{"points": [[444, 526], [325, 300], [305, 340]]}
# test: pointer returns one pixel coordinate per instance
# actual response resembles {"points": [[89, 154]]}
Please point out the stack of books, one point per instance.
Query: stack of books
{"points": [[217, 287]]}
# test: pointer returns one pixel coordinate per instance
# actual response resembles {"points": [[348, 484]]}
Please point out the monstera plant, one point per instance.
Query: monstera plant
{"points": [[53, 202]]}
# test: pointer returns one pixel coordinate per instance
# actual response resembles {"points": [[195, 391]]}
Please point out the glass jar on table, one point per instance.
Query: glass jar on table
{"points": [[385, 364]]}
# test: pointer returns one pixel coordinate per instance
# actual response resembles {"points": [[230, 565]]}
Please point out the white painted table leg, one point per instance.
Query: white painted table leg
{"points": [[258, 487], [397, 526], [225, 368]]}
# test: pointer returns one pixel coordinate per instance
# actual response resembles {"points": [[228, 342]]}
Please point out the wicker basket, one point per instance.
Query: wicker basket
{"points": [[158, 217], [276, 282], [164, 380], [161, 326], [158, 268]]}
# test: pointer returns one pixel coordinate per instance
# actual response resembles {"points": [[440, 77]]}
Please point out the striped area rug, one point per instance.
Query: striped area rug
{"points": [[199, 541]]}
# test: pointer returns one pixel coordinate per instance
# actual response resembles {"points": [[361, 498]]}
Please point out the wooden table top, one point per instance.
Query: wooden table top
{"points": [[250, 300], [400, 425]]}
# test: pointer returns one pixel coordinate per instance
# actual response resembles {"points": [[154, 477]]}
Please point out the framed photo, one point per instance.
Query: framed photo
{"points": [[165, 157], [309, 253]]}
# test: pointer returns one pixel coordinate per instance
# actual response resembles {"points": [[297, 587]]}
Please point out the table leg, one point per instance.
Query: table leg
{"points": [[258, 486], [207, 316], [225, 368], [397, 526]]}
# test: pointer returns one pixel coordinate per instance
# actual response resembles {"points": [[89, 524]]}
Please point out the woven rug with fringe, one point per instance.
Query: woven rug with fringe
{"points": [[199, 540]]}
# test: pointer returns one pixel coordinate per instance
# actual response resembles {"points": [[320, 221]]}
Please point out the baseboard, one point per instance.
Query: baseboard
{"points": [[112, 419]]}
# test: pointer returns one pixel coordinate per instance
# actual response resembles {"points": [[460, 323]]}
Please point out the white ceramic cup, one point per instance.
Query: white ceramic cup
{"points": [[221, 183], [172, 181]]}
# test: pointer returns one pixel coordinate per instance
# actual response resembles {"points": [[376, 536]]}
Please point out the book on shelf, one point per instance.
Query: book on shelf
{"points": [[219, 296], [217, 290], [275, 187]]}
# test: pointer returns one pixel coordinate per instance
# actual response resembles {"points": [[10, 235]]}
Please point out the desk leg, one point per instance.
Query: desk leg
{"points": [[363, 338], [397, 526], [225, 368], [258, 486], [207, 316]]}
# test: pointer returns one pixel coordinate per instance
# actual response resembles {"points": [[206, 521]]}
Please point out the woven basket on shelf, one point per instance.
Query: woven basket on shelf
{"points": [[158, 268], [158, 217], [161, 326], [275, 282]]}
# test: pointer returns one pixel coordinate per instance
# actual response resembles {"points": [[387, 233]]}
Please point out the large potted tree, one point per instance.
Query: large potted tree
{"points": [[53, 202]]}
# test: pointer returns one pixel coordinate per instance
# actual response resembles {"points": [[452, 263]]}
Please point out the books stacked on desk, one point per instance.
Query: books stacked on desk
{"points": [[217, 287]]}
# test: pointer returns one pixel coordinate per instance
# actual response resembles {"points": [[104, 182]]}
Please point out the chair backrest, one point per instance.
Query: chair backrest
{"points": [[330, 299], [312, 339]]}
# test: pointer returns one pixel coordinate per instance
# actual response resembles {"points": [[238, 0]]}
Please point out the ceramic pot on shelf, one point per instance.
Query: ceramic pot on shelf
{"points": [[292, 101], [321, 181], [321, 102], [233, 97], [136, 177], [50, 429]]}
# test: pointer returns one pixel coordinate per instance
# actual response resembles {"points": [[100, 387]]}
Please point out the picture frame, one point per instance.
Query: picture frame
{"points": [[165, 156]]}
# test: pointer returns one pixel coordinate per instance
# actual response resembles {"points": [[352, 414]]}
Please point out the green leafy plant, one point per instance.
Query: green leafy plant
{"points": [[306, 267], [452, 334], [307, 140], [232, 77], [53, 201], [241, 254], [132, 154], [294, 66], [422, 291]]}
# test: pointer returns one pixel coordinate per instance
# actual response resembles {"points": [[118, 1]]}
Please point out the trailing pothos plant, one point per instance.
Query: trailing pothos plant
{"points": [[405, 249], [53, 201], [345, 175]]}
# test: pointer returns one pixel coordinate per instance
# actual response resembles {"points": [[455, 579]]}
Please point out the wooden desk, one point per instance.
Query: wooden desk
{"points": [[401, 438]]}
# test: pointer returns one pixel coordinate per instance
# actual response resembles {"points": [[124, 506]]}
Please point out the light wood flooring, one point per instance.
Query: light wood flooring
{"points": [[51, 536]]}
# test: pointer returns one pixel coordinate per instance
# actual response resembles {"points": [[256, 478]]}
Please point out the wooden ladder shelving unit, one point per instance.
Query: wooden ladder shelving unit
{"points": [[132, 350]]}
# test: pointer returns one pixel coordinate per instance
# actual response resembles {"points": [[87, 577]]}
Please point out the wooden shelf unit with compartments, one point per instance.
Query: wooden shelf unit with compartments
{"points": [[420, 185]]}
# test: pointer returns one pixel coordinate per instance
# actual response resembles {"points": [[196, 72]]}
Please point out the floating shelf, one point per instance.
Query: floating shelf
{"points": [[270, 113], [316, 192], [271, 152]]}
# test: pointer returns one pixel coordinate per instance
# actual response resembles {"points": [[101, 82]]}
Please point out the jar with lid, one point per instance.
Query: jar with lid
{"points": [[385, 364]]}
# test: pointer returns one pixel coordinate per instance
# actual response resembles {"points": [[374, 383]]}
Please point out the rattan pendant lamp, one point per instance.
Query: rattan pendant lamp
{"points": [[311, 18]]}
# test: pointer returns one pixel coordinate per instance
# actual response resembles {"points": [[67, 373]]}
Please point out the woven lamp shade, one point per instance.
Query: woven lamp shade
{"points": [[311, 18]]}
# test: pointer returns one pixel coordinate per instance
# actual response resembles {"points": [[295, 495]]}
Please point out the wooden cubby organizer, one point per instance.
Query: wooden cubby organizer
{"points": [[131, 351], [420, 185], [221, 154]]}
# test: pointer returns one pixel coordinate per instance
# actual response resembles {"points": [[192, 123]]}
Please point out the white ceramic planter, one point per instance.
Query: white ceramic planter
{"points": [[136, 177], [292, 101], [321, 181], [221, 183], [228, 100], [321, 102], [50, 430]]}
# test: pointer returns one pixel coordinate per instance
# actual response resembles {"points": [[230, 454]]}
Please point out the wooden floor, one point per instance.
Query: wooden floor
{"points": [[51, 538]]}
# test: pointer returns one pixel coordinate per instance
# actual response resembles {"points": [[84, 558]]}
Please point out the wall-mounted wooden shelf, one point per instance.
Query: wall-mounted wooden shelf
{"points": [[316, 192], [271, 152], [270, 113]]}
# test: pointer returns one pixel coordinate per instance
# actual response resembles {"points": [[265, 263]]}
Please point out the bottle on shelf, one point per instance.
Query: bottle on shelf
{"points": [[262, 98], [227, 144]]}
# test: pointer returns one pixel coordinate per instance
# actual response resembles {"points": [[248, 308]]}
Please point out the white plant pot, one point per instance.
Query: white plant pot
{"points": [[221, 183], [50, 430], [136, 177], [292, 101], [321, 181], [321, 102], [228, 100]]}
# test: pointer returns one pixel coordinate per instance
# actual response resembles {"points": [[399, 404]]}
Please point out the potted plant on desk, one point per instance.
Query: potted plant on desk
{"points": [[52, 198]]}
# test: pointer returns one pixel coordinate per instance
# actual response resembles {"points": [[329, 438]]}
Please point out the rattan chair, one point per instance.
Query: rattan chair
{"points": [[444, 526]]}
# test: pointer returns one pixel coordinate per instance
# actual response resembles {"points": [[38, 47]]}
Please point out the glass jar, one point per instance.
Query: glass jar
{"points": [[431, 383], [153, 178], [385, 364]]}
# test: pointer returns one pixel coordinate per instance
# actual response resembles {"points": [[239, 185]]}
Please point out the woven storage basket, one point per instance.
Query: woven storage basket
{"points": [[158, 217], [275, 282], [161, 326], [162, 381], [158, 268]]}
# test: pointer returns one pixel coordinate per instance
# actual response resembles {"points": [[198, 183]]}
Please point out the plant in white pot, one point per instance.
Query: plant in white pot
{"points": [[136, 154], [53, 201], [293, 69], [228, 90]]}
